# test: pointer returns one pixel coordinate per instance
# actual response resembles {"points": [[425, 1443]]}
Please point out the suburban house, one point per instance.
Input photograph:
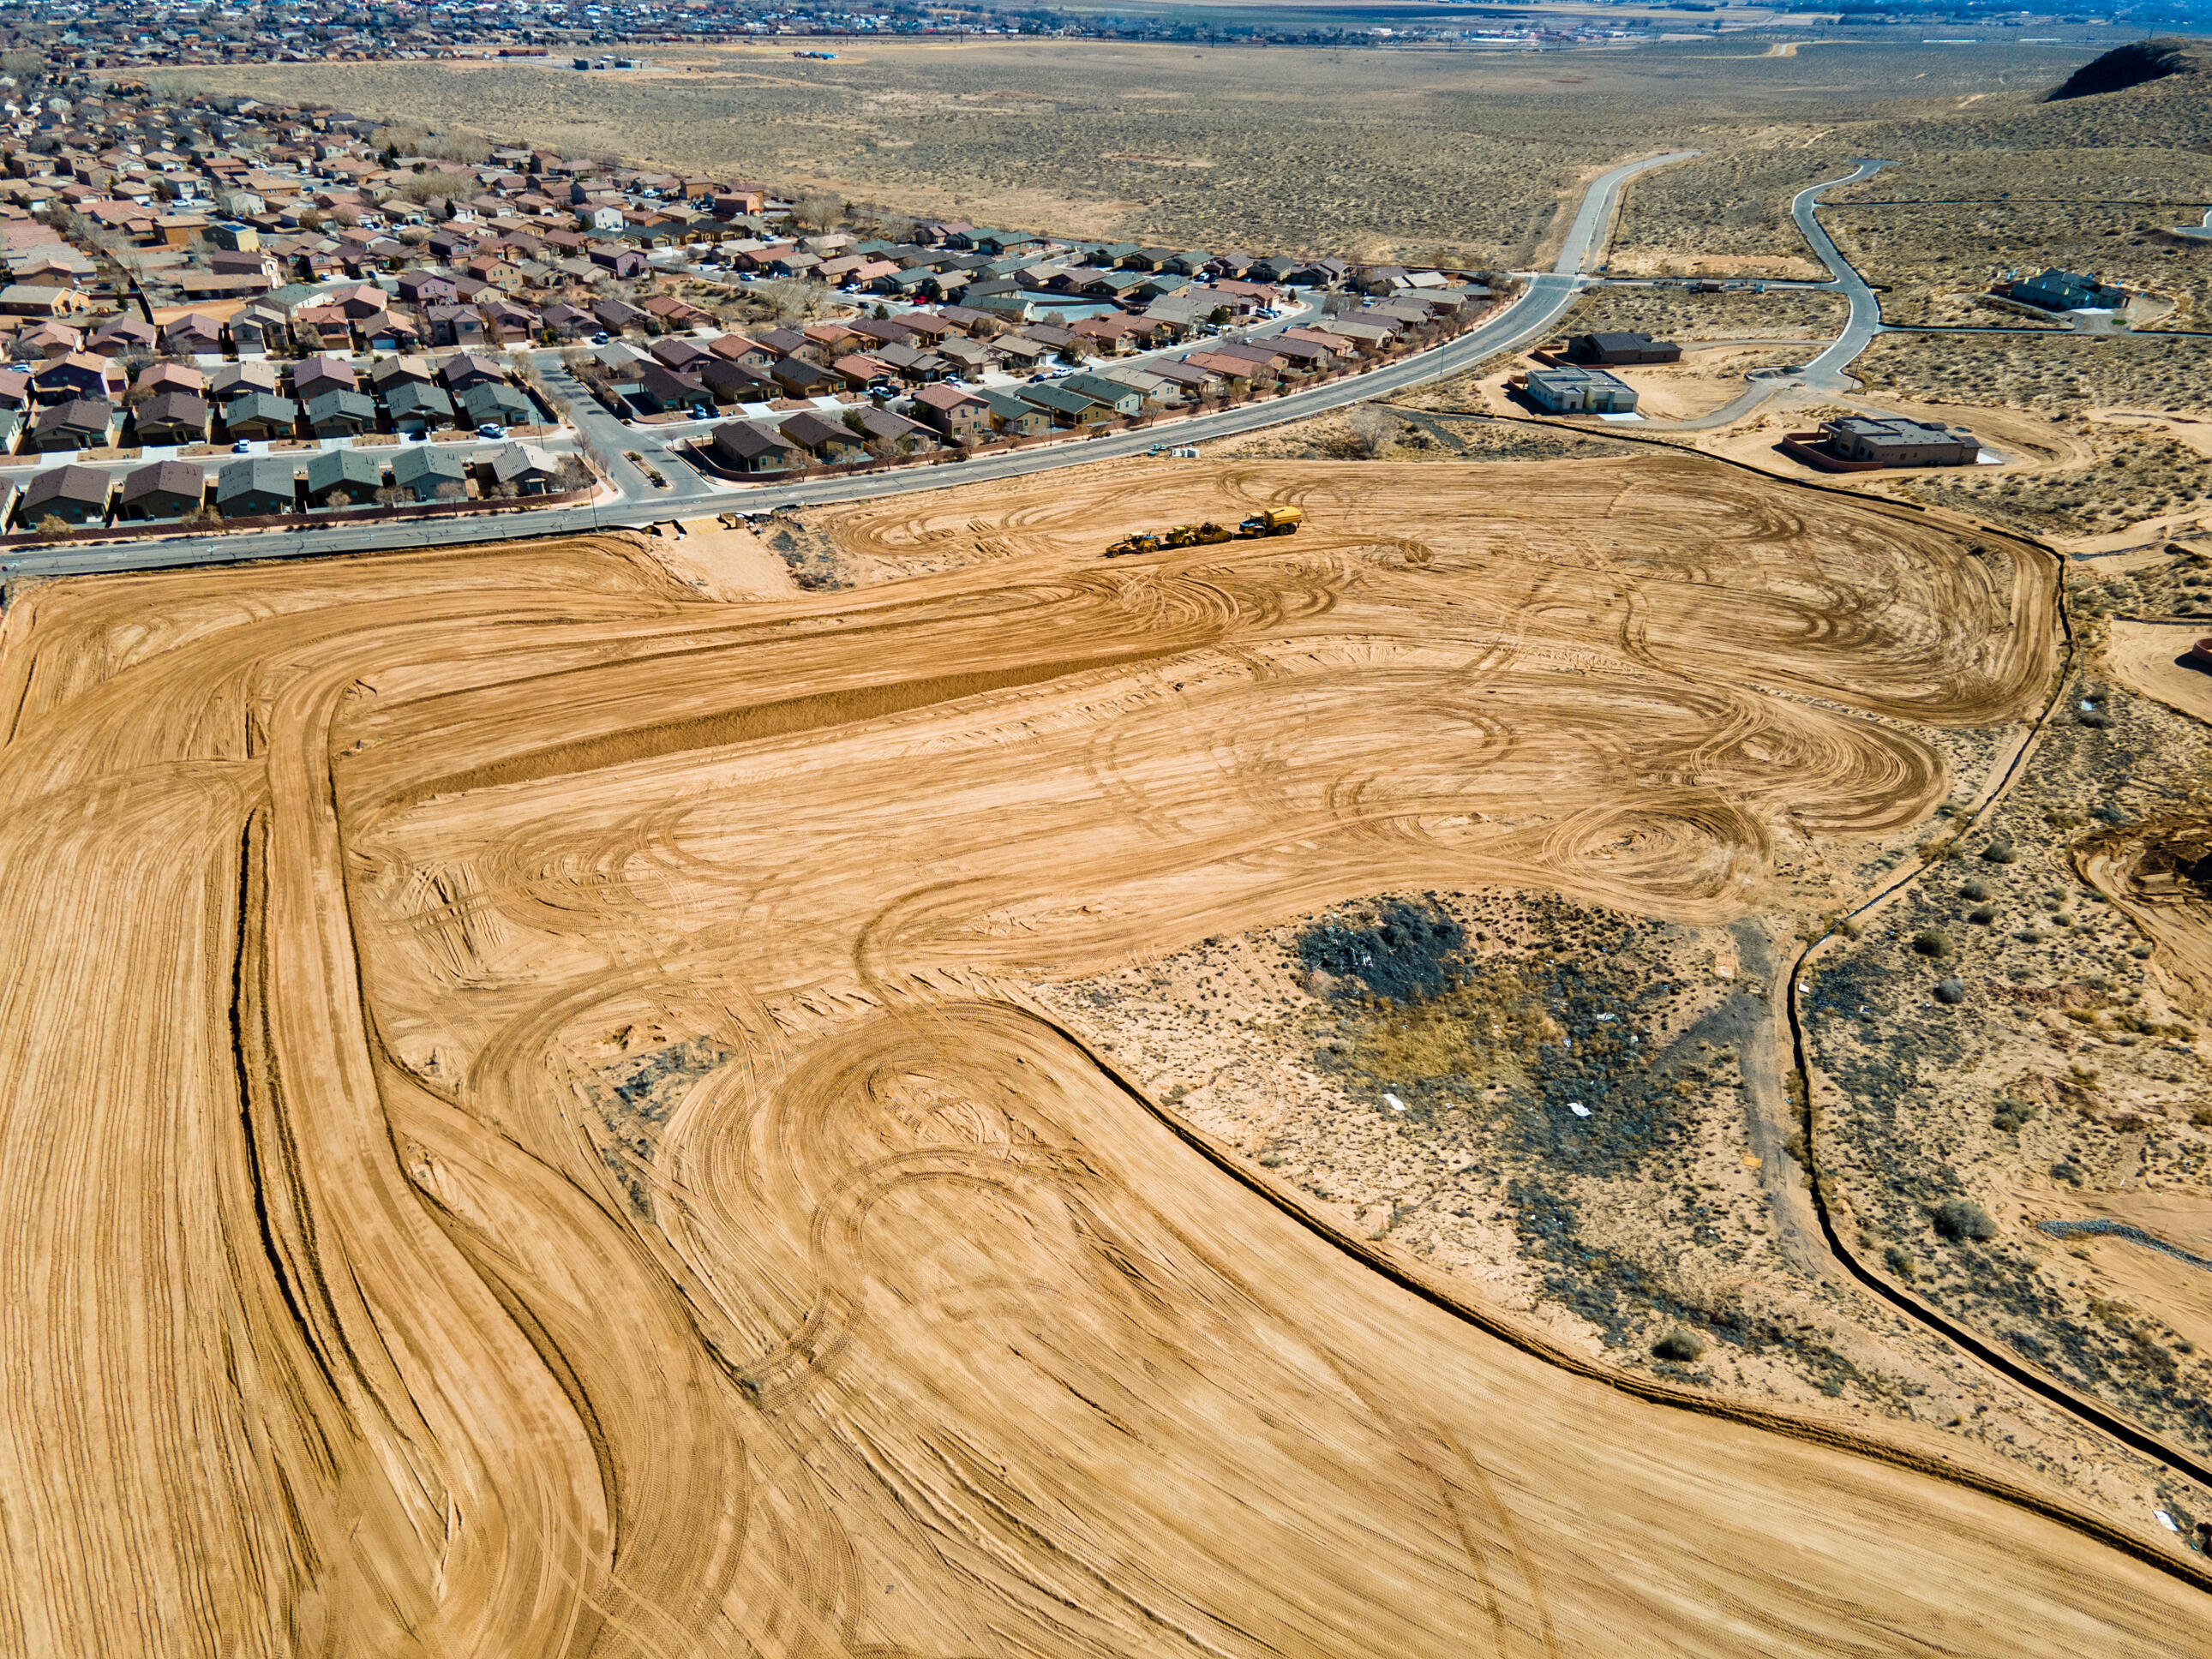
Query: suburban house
{"points": [[1009, 414], [1571, 389], [1066, 408], [260, 414], [413, 404], [172, 416], [344, 477], [526, 468], [497, 403], [340, 412], [831, 442], [75, 495], [1121, 399], [753, 446], [255, 487], [430, 473], [954, 411], [81, 423], [161, 490], [191, 335]]}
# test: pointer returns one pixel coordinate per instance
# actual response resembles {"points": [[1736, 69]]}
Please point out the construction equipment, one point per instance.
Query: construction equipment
{"points": [[1275, 521], [1197, 535], [1141, 541]]}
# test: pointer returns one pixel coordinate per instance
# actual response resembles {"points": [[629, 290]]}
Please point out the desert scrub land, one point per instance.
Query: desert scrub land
{"points": [[2010, 1078], [1383, 432], [2133, 477], [1674, 313], [1460, 157], [1939, 258], [1725, 215], [2056, 375]]}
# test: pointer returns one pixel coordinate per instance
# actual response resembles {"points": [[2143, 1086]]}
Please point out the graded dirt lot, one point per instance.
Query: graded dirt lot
{"points": [[548, 1140]]}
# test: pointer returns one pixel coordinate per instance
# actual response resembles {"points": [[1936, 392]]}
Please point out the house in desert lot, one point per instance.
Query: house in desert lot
{"points": [[2054, 290], [454, 324], [344, 477], [81, 423], [753, 446], [414, 406], [617, 317], [161, 490], [430, 473], [340, 413], [1621, 348], [1571, 389], [1899, 442], [524, 468], [255, 488], [497, 403], [75, 495], [566, 322], [831, 442], [260, 414], [172, 416]]}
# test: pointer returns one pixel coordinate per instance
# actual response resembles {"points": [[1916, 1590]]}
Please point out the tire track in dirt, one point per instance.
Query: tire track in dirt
{"points": [[597, 1192]]}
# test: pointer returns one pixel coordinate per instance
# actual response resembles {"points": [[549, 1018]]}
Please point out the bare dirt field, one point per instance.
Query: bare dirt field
{"points": [[558, 1142]]}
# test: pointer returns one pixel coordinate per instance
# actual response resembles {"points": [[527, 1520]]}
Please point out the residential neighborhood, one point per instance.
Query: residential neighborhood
{"points": [[220, 278]]}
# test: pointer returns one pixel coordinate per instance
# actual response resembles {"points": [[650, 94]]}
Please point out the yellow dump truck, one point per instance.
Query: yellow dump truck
{"points": [[1275, 521]]}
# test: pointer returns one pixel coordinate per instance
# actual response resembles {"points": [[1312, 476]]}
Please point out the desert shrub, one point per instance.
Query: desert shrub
{"points": [[1982, 914], [1999, 852], [1959, 1220], [1976, 889], [1898, 1262], [1680, 1346], [1950, 992], [1932, 942], [1408, 952]]}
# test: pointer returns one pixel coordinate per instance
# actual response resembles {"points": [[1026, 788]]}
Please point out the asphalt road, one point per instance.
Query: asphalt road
{"points": [[1548, 294], [1825, 371]]}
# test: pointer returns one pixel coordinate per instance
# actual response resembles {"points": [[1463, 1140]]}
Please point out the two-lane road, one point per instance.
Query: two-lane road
{"points": [[1547, 294]]}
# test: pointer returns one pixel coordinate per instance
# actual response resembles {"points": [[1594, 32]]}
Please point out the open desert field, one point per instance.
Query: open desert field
{"points": [[565, 1136], [1464, 157]]}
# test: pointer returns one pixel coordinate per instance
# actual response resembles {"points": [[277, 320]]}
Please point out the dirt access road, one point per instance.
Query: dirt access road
{"points": [[529, 1134]]}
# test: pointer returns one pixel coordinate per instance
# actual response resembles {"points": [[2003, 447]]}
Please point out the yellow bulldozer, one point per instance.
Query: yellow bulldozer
{"points": [[1275, 521]]}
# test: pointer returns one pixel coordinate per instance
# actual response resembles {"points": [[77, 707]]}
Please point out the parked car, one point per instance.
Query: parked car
{"points": [[600, 338], [241, 447], [701, 412], [490, 429]]}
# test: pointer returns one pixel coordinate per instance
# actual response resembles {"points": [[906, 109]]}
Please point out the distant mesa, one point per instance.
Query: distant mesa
{"points": [[2132, 65]]}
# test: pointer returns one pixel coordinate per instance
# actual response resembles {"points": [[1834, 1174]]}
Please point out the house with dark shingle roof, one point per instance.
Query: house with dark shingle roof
{"points": [[75, 495], [162, 489]]}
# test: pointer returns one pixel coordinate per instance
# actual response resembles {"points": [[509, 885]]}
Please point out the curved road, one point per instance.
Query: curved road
{"points": [[1548, 295]]}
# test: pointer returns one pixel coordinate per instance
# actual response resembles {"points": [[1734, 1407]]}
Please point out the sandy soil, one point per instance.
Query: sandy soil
{"points": [[2145, 657], [545, 1144]]}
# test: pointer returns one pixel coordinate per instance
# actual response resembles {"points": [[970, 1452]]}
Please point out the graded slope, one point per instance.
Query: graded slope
{"points": [[526, 1134]]}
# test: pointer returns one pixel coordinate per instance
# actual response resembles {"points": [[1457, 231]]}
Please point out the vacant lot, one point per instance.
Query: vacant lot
{"points": [[1453, 155], [2058, 375]]}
